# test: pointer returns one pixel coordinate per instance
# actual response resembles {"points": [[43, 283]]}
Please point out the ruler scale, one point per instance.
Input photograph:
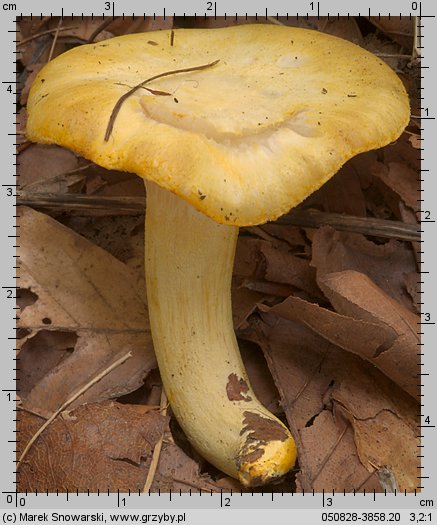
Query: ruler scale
{"points": [[329, 505]]}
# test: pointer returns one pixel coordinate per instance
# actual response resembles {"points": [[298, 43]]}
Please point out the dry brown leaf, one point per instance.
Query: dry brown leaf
{"points": [[343, 27], [360, 165], [244, 302], [412, 285], [291, 234], [318, 383], [387, 434], [212, 22], [341, 194], [127, 25], [269, 289], [178, 472], [402, 151], [83, 290], [281, 266], [114, 183], [359, 337], [80, 29], [355, 295], [98, 446], [369, 339], [364, 338], [297, 359], [83, 29], [260, 377], [389, 51], [46, 169], [105, 446], [398, 29], [21, 122], [401, 179], [330, 447], [42, 353], [34, 52], [248, 259], [114, 235], [385, 431], [31, 26], [386, 264], [260, 260]]}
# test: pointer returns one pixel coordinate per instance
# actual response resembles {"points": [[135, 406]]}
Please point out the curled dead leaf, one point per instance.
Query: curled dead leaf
{"points": [[82, 290], [386, 264], [329, 396], [353, 294], [102, 446]]}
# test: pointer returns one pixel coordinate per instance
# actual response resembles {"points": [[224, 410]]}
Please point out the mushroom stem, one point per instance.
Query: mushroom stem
{"points": [[189, 262]]}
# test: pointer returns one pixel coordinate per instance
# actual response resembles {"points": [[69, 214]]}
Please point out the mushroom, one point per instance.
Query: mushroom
{"points": [[229, 127]]}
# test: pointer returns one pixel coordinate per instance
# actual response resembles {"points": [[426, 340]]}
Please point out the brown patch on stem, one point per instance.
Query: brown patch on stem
{"points": [[259, 432], [251, 457], [237, 388], [262, 429]]}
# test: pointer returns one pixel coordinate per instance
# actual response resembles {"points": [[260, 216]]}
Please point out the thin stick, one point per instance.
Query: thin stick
{"points": [[157, 450], [55, 39], [43, 33], [67, 403], [304, 218], [365, 225], [106, 23], [29, 411], [114, 205], [122, 99]]}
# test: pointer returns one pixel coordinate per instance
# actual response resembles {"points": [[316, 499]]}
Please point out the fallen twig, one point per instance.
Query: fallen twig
{"points": [[55, 39], [304, 218], [157, 450], [43, 33]]}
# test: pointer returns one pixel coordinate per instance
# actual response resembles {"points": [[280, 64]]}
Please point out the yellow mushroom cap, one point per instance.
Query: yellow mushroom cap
{"points": [[243, 141]]}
